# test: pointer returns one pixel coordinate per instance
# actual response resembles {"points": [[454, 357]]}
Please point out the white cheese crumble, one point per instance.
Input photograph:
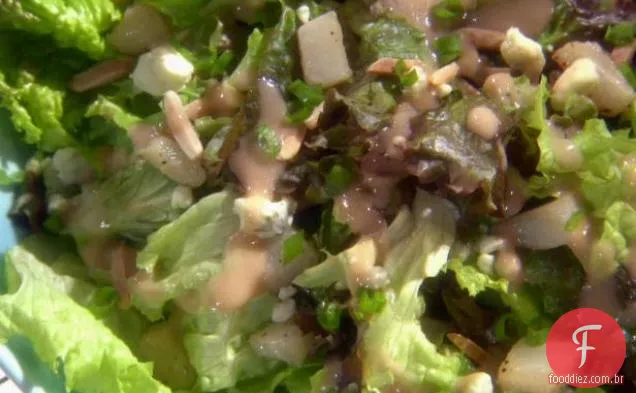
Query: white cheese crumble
{"points": [[160, 70], [522, 53], [262, 216], [283, 311]]}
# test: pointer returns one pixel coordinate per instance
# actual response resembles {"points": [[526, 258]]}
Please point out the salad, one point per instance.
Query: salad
{"points": [[259, 196]]}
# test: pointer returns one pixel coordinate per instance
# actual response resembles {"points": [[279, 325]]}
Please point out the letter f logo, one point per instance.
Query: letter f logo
{"points": [[584, 347]]}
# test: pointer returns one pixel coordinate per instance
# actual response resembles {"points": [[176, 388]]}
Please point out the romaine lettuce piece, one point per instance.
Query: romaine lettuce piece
{"points": [[74, 24], [184, 13], [601, 175], [392, 37], [219, 349], [293, 380], [55, 263], [162, 344], [371, 106], [133, 203], [278, 61], [108, 109], [33, 89], [475, 282], [244, 75], [39, 306], [396, 350], [185, 253], [36, 111]]}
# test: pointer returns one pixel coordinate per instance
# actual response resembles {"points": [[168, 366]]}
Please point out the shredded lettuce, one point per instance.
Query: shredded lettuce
{"points": [[74, 24], [186, 252], [45, 307]]}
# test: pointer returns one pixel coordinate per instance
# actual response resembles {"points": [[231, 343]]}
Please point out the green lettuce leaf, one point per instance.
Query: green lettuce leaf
{"points": [[54, 262], [162, 344], [10, 178], [133, 202], [74, 24], [329, 272], [244, 74], [293, 380], [39, 306], [475, 282], [106, 108], [186, 252], [219, 349], [278, 61], [108, 123], [602, 177], [184, 13], [554, 279], [371, 105], [33, 89], [470, 161], [423, 251], [387, 37], [396, 350]]}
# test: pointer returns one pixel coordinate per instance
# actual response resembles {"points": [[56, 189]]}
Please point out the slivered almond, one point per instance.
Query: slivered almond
{"points": [[469, 348], [180, 126], [444, 74], [102, 74], [386, 65]]}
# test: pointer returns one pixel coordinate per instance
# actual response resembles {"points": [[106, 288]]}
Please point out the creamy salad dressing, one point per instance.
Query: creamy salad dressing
{"points": [[243, 275], [530, 16], [247, 264]]}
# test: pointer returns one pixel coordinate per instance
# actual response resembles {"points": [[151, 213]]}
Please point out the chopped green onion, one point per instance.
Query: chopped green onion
{"points": [[338, 179], [508, 328], [448, 48], [580, 108], [575, 221], [407, 76], [370, 301], [268, 141], [329, 315], [293, 247], [448, 11], [306, 93], [216, 38], [537, 337], [304, 99], [215, 65], [621, 33], [629, 74], [208, 126], [333, 235]]}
